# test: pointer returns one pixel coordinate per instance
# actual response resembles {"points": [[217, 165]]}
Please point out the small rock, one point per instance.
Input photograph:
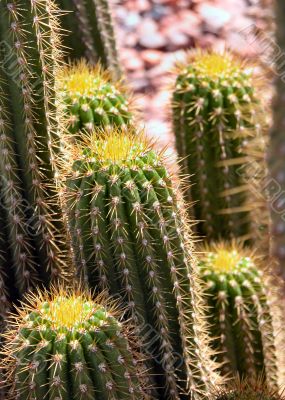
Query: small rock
{"points": [[153, 40], [132, 60], [149, 35], [176, 38], [151, 57], [215, 18], [132, 20]]}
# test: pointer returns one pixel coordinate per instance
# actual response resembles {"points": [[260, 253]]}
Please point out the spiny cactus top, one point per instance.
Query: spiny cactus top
{"points": [[67, 346], [214, 101], [129, 236], [33, 232], [240, 313], [91, 99], [244, 389]]}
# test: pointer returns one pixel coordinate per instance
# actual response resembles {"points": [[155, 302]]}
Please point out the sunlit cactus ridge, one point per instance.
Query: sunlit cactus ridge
{"points": [[130, 237], [240, 313], [214, 110], [66, 345]]}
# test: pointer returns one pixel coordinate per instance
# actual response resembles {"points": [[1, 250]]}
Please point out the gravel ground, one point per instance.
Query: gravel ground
{"points": [[154, 34]]}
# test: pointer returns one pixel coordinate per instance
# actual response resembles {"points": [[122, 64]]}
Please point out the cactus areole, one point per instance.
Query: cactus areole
{"points": [[69, 347]]}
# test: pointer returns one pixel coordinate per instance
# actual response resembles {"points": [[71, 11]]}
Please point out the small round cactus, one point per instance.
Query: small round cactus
{"points": [[66, 346], [214, 113], [240, 313], [91, 99]]}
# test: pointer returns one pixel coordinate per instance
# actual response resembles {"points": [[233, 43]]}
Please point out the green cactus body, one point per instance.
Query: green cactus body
{"points": [[129, 238], [91, 100], [70, 347], [213, 102], [90, 33], [240, 314], [28, 138]]}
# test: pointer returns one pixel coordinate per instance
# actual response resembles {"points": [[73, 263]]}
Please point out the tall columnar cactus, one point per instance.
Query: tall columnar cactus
{"points": [[90, 33], [70, 347], [276, 181], [29, 213], [91, 100], [214, 101], [130, 238], [240, 313]]}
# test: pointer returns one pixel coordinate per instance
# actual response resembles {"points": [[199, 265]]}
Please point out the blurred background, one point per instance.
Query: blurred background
{"points": [[153, 35]]}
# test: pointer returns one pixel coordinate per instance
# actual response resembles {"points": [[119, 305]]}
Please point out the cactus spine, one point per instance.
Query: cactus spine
{"points": [[67, 346], [213, 102], [90, 33], [130, 238], [28, 137], [91, 100], [240, 313]]}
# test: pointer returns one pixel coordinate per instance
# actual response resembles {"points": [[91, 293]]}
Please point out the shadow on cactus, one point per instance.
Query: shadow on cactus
{"points": [[65, 345], [248, 390], [130, 237], [91, 99], [240, 313], [214, 115]]}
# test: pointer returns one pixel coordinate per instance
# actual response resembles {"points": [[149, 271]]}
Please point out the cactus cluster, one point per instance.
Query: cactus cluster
{"points": [[32, 250], [214, 108], [68, 346], [130, 238], [89, 33], [103, 186], [240, 313], [91, 99]]}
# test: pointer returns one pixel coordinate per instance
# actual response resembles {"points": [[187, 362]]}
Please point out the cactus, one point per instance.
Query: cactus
{"points": [[90, 99], [244, 389], [276, 151], [90, 33], [240, 313], [68, 346], [31, 233], [130, 238], [214, 101]]}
